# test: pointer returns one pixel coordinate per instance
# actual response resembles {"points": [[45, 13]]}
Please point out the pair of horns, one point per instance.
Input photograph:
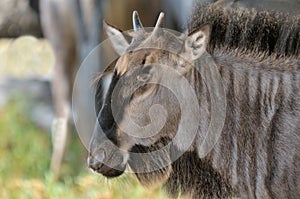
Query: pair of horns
{"points": [[137, 24]]}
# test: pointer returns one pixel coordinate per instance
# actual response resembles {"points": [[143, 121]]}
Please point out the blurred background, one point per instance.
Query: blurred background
{"points": [[42, 44]]}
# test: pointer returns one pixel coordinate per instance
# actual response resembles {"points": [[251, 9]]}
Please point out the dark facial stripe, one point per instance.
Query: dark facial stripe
{"points": [[105, 116]]}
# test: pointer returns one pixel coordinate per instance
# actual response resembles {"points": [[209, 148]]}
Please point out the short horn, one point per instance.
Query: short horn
{"points": [[158, 26], [160, 20], [137, 24]]}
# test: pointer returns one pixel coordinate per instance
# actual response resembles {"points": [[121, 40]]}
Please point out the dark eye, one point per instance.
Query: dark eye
{"points": [[144, 75]]}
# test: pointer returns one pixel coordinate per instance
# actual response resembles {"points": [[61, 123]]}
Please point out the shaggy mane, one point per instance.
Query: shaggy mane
{"points": [[269, 32]]}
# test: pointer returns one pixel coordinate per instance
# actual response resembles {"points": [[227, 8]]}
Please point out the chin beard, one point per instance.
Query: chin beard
{"points": [[151, 170]]}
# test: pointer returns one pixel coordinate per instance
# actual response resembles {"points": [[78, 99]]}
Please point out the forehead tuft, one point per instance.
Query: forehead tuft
{"points": [[166, 40], [144, 46], [122, 64]]}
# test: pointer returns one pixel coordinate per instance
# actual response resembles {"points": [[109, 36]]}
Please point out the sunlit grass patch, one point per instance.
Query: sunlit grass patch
{"points": [[25, 56]]}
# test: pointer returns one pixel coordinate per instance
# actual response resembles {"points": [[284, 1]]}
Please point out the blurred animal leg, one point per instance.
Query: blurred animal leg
{"points": [[58, 21], [61, 92], [59, 133]]}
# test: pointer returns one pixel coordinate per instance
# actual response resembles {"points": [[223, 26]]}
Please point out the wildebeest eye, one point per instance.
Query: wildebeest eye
{"points": [[145, 74], [143, 77]]}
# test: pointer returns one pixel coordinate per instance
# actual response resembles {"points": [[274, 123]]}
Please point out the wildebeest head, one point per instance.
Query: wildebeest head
{"points": [[137, 108]]}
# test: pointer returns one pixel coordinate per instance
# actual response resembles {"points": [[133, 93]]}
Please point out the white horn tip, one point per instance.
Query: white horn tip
{"points": [[160, 20], [162, 14], [160, 17]]}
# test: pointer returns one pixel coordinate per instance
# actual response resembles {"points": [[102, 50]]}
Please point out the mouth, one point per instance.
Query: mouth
{"points": [[110, 172], [112, 167]]}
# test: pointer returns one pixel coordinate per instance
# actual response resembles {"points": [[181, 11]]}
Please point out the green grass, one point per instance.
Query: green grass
{"points": [[25, 152]]}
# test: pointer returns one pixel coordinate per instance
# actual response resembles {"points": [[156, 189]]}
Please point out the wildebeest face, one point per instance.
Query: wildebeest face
{"points": [[131, 112], [137, 107]]}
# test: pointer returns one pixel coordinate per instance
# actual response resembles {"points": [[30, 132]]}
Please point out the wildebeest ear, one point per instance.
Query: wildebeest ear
{"points": [[119, 43], [197, 42]]}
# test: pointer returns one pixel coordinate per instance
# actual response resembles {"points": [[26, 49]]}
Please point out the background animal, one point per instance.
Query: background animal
{"points": [[70, 27]]}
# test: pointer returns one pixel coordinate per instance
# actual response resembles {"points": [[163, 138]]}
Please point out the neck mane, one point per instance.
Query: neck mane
{"points": [[258, 32]]}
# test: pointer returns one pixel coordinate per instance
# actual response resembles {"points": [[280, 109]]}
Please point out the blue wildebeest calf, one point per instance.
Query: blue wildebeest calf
{"points": [[258, 152]]}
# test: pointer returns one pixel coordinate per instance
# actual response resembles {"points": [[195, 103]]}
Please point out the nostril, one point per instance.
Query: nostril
{"points": [[95, 160], [100, 155]]}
